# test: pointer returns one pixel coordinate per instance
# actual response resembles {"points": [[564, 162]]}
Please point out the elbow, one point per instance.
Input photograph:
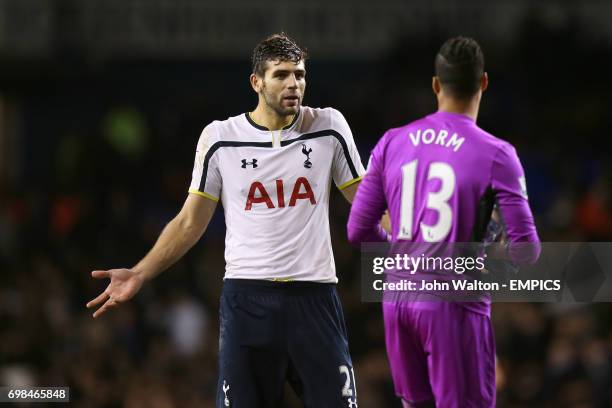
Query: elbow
{"points": [[358, 236], [189, 228], [526, 253], [355, 234], [360, 230], [185, 224], [354, 237], [352, 232], [535, 252]]}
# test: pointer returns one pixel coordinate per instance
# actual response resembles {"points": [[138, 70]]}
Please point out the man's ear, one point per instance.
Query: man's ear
{"points": [[484, 82], [256, 82], [435, 85]]}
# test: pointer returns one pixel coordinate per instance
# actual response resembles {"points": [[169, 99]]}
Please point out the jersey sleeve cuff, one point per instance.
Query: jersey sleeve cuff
{"points": [[350, 182], [203, 194]]}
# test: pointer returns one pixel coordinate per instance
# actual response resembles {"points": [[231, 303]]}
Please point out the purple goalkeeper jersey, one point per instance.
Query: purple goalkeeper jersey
{"points": [[439, 177]]}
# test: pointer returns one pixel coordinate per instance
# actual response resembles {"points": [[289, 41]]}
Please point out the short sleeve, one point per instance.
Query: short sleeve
{"points": [[206, 177], [347, 168]]}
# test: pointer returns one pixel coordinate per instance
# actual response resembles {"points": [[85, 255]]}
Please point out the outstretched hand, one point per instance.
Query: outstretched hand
{"points": [[124, 284]]}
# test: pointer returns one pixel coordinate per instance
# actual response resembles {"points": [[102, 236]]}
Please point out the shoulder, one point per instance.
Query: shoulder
{"points": [[396, 137], [505, 151], [422, 122], [217, 131], [324, 119], [220, 130], [502, 147], [327, 117], [336, 118], [398, 133], [320, 113], [499, 151]]}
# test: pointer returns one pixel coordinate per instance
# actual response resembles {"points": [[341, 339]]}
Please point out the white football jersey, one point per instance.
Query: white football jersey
{"points": [[274, 187]]}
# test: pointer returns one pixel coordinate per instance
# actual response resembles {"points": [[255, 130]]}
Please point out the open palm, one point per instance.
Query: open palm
{"points": [[124, 284]]}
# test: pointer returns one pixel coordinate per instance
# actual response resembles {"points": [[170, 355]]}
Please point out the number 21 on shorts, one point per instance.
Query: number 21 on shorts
{"points": [[437, 201], [348, 391]]}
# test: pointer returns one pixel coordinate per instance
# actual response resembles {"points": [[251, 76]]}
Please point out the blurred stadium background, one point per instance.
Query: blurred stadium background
{"points": [[101, 105]]}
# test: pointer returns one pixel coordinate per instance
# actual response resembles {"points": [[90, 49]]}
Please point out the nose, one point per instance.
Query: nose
{"points": [[292, 82]]}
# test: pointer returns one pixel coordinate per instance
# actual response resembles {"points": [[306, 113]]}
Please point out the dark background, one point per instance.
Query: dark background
{"points": [[101, 106]]}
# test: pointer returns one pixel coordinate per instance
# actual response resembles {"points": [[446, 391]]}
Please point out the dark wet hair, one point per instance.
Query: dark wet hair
{"points": [[277, 47], [459, 65]]}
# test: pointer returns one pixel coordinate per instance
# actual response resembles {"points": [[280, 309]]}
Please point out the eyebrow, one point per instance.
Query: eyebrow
{"points": [[285, 71]]}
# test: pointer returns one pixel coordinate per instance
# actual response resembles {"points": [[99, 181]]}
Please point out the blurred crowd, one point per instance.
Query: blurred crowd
{"points": [[103, 161]]}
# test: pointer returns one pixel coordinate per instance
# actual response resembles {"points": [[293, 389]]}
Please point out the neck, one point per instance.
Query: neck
{"points": [[265, 116], [468, 107]]}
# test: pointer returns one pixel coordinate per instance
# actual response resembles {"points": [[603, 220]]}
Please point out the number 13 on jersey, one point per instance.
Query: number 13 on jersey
{"points": [[437, 201]]}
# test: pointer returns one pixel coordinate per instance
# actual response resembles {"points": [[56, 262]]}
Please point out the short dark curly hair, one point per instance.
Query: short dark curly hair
{"points": [[276, 47], [459, 65]]}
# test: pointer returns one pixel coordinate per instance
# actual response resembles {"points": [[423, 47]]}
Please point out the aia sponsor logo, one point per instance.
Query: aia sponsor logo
{"points": [[259, 195]]}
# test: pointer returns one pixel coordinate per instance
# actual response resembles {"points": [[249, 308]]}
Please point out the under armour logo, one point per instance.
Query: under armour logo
{"points": [[307, 151], [246, 163], [226, 387], [352, 403]]}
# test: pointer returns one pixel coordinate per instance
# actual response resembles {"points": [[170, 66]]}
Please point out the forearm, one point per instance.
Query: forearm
{"points": [[359, 232], [364, 219], [523, 242], [509, 185], [174, 241]]}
